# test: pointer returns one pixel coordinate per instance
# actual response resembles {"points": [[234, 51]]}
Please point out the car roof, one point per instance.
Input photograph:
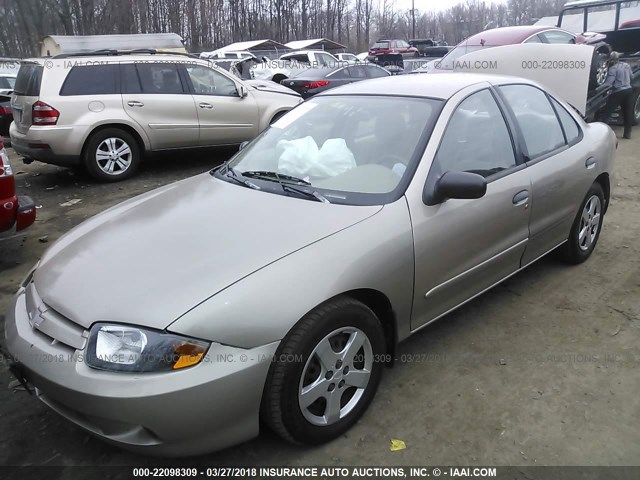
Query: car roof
{"points": [[587, 3], [506, 35], [442, 86]]}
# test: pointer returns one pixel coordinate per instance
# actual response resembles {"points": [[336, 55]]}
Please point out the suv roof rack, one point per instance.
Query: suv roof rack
{"points": [[107, 52]]}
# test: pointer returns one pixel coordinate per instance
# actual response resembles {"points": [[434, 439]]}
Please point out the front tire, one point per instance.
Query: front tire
{"points": [[111, 155], [325, 374], [586, 227]]}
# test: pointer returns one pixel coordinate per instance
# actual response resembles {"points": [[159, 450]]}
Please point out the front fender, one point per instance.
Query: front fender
{"points": [[375, 254]]}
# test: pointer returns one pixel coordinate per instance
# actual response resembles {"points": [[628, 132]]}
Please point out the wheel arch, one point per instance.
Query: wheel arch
{"points": [[122, 126], [278, 77], [380, 304], [603, 181]]}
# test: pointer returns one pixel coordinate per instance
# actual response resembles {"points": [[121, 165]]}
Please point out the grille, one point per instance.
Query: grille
{"points": [[55, 327]]}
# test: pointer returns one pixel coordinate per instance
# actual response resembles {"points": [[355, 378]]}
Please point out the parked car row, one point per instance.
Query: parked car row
{"points": [[104, 113]]}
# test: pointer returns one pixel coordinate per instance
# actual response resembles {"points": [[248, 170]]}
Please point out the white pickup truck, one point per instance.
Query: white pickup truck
{"points": [[291, 63]]}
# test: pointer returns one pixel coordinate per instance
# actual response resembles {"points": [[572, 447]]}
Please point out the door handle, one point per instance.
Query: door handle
{"points": [[206, 105], [135, 103], [521, 198], [590, 163]]}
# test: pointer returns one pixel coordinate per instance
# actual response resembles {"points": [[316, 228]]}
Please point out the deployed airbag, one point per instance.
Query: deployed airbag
{"points": [[302, 157]]}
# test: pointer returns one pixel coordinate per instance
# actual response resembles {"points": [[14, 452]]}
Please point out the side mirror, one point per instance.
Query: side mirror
{"points": [[242, 91], [461, 185], [243, 144]]}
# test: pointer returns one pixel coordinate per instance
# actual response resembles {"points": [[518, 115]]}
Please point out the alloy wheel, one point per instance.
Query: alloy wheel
{"points": [[335, 376], [113, 156], [589, 223]]}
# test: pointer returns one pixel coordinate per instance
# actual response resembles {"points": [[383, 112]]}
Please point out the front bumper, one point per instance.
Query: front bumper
{"points": [[200, 409]]}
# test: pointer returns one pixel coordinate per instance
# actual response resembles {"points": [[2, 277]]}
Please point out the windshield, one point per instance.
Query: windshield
{"points": [[448, 61], [359, 150], [380, 45]]}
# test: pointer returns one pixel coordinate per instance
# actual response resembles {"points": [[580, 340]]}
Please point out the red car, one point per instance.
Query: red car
{"points": [[532, 34], [14, 210], [386, 47]]}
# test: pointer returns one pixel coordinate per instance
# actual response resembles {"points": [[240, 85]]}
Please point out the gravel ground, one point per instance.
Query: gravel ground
{"points": [[542, 370]]}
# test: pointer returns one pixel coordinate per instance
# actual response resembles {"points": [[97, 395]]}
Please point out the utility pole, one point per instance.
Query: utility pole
{"points": [[413, 18]]}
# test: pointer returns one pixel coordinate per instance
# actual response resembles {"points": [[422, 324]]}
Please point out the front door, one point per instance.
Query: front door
{"points": [[224, 116], [463, 247]]}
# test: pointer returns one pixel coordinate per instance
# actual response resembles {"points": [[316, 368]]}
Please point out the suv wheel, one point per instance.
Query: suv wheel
{"points": [[111, 155]]}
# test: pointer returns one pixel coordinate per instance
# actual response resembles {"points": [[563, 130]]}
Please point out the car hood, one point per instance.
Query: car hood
{"points": [[152, 258]]}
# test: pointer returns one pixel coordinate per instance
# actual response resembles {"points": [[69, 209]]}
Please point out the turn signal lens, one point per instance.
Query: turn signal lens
{"points": [[188, 354]]}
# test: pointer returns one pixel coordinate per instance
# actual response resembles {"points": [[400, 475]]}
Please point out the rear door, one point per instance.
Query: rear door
{"points": [[156, 96], [224, 116], [25, 94], [559, 164]]}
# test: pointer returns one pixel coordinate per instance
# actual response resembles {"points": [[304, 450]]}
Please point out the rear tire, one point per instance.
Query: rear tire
{"points": [[325, 373], [586, 227], [111, 155]]}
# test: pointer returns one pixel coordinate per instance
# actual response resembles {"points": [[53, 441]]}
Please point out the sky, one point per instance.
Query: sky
{"points": [[433, 5]]}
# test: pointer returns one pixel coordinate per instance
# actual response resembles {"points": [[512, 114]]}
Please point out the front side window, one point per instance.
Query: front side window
{"points": [[160, 78], [207, 81], [351, 149], [534, 39], [91, 80], [476, 139], [537, 120]]}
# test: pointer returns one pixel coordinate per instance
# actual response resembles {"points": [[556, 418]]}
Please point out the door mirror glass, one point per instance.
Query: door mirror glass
{"points": [[461, 185]]}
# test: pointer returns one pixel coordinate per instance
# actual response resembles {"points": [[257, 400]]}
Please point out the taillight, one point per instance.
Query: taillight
{"points": [[318, 84], [5, 111], [43, 114]]}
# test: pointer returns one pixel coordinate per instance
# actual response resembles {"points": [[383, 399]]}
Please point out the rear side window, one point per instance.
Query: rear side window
{"points": [[29, 80], [537, 120], [91, 80], [160, 78], [376, 72], [569, 125]]}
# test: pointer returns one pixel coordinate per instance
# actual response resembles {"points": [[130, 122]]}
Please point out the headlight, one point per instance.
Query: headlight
{"points": [[127, 348]]}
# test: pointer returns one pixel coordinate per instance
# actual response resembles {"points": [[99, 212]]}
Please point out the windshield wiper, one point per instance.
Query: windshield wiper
{"points": [[313, 194], [231, 174], [275, 176], [287, 187]]}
